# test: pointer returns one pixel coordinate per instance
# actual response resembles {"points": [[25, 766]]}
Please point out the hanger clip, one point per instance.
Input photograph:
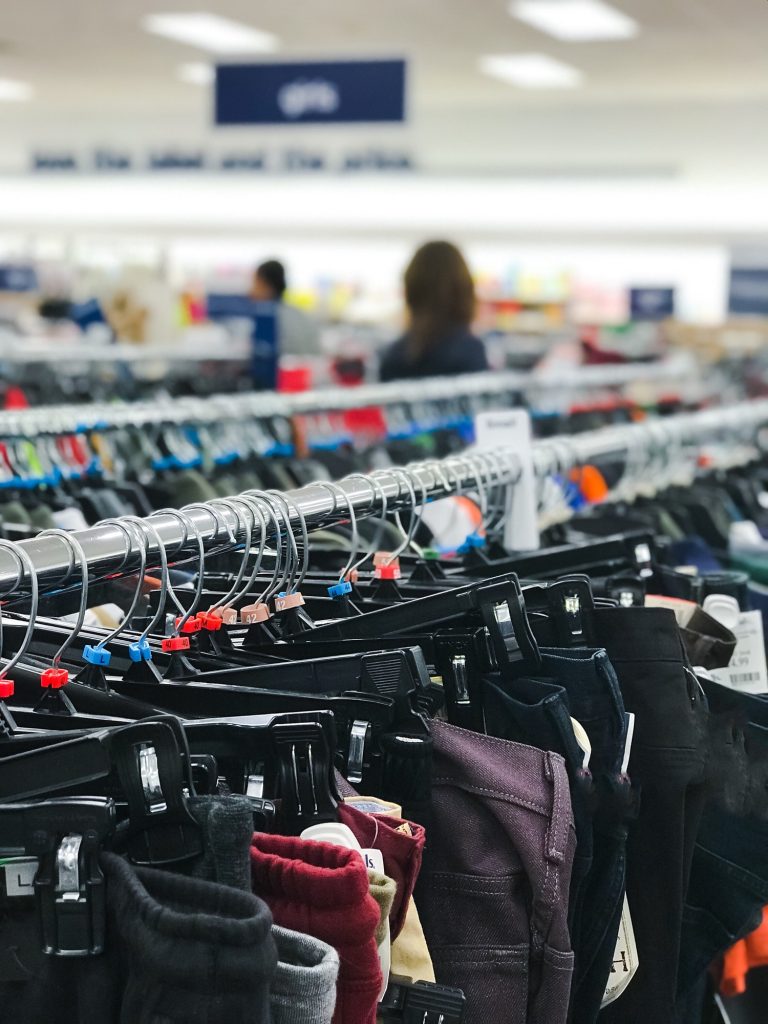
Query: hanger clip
{"points": [[629, 591], [172, 644], [54, 701], [421, 1002], [160, 828], [140, 651], [305, 783], [571, 606], [512, 641], [643, 559], [358, 738], [69, 885]]}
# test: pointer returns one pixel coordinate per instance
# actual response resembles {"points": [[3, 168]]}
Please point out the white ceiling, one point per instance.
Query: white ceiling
{"points": [[92, 55]]}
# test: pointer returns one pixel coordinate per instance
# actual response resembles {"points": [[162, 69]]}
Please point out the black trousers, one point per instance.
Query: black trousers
{"points": [[668, 762]]}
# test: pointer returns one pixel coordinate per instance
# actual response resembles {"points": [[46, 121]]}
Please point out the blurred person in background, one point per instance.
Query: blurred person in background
{"points": [[298, 335], [440, 296]]}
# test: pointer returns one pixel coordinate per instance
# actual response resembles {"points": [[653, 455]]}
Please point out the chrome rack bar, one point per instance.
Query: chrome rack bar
{"points": [[105, 546]]}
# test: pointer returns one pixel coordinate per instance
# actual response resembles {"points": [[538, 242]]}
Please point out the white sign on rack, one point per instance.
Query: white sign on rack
{"points": [[511, 429]]}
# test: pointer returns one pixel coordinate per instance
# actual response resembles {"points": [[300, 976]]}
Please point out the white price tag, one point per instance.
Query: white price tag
{"points": [[625, 959], [747, 671], [512, 429], [20, 876], [374, 860]]}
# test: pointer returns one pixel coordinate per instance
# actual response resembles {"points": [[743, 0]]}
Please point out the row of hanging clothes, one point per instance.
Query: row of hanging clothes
{"points": [[70, 467], [317, 770]]}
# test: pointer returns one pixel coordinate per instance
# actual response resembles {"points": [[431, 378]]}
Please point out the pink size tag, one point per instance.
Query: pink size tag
{"points": [[251, 613], [282, 604]]}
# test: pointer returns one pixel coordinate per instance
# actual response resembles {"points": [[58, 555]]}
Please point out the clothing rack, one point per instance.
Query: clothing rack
{"points": [[660, 448], [28, 351], [73, 419]]}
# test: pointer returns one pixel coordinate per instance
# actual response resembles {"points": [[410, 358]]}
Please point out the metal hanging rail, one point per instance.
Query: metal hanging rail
{"points": [[26, 351], [657, 446], [70, 419]]}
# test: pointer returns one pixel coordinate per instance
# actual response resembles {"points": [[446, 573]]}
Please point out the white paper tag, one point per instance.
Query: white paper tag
{"points": [[70, 519], [20, 876], [374, 860], [512, 429], [625, 959], [747, 671]]}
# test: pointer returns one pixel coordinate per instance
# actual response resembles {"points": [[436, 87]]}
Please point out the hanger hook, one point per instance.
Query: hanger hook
{"points": [[234, 594], [500, 488], [494, 484], [291, 562], [274, 586], [470, 459], [25, 562], [294, 507], [186, 522], [78, 554], [150, 532], [336, 490], [401, 471], [378, 492], [247, 526], [124, 528]]}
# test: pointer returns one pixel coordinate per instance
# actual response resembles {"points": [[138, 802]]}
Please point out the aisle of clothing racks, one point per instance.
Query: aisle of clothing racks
{"points": [[283, 755]]}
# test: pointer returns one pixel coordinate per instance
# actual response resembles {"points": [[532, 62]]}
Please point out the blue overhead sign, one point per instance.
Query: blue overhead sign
{"points": [[748, 295], [313, 92], [17, 277], [651, 304], [264, 331]]}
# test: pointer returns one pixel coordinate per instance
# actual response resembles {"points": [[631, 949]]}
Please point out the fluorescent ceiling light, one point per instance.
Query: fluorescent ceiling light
{"points": [[532, 71], [575, 20], [196, 74], [12, 91], [210, 32]]}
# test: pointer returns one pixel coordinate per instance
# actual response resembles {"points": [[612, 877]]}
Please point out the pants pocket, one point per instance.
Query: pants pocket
{"points": [[549, 1003], [473, 911], [493, 979]]}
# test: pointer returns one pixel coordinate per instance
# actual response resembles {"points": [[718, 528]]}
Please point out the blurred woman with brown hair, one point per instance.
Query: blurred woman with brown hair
{"points": [[440, 296]]}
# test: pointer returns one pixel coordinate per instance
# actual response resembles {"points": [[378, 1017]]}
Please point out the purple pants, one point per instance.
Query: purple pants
{"points": [[493, 891]]}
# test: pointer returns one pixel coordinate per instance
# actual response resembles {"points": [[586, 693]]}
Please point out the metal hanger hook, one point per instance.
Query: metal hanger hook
{"points": [[274, 586], [406, 474], [25, 563], [378, 492], [77, 552], [182, 517], [334, 490], [294, 506], [130, 536]]}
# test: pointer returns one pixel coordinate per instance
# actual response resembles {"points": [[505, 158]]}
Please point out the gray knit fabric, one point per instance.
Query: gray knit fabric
{"points": [[303, 989], [227, 826]]}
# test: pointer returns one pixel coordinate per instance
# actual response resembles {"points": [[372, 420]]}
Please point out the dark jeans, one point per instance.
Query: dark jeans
{"points": [[582, 684], [729, 879], [668, 763], [493, 890], [596, 702], [537, 712]]}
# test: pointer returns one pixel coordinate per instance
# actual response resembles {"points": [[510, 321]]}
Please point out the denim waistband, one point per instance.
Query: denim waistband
{"points": [[639, 634]]}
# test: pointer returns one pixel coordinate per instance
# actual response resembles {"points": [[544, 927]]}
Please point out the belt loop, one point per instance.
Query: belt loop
{"points": [[556, 840]]}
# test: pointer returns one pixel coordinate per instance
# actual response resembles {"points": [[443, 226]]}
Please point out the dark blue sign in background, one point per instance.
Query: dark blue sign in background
{"points": [[650, 304], [315, 92], [265, 341], [17, 277], [748, 294]]}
